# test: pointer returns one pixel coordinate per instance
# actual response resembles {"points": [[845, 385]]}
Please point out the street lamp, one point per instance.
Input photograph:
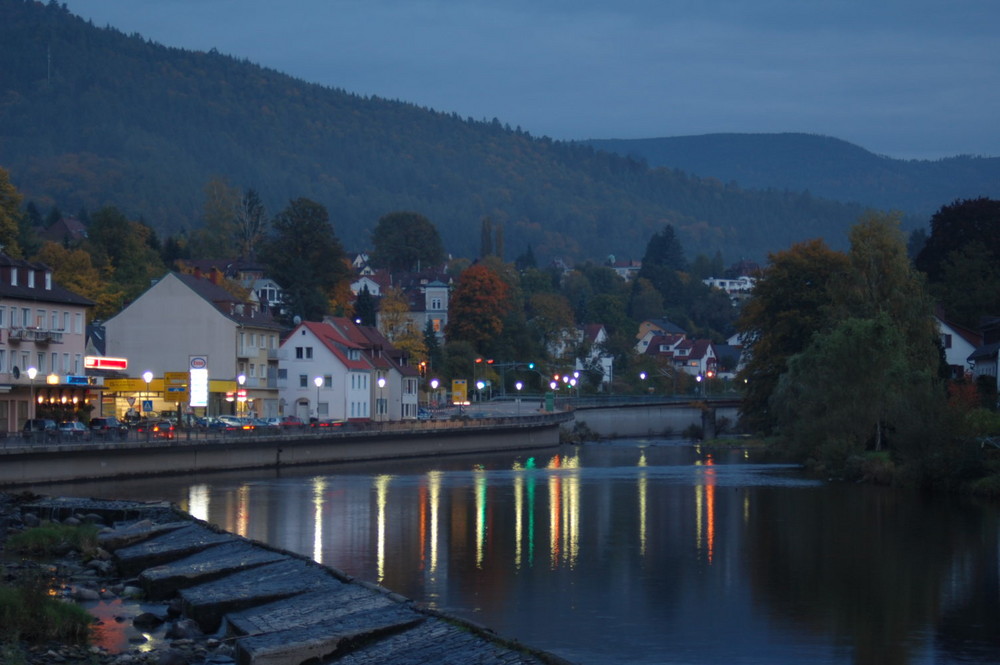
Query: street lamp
{"points": [[32, 373], [518, 385], [241, 395], [147, 376], [318, 381], [381, 400], [434, 386]]}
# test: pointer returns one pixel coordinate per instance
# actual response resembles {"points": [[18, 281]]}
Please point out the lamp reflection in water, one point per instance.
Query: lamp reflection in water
{"points": [[705, 508]]}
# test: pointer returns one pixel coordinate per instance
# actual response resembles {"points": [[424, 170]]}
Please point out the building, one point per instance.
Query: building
{"points": [[184, 320], [42, 333]]}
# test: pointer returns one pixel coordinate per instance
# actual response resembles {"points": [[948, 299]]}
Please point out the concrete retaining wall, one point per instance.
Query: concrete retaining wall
{"points": [[54, 463]]}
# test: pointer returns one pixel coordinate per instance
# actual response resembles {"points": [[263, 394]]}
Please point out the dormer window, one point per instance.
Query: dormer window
{"points": [[13, 276], [48, 281], [31, 279]]}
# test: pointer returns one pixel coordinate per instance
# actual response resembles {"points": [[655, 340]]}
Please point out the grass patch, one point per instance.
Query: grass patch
{"points": [[29, 613], [54, 540]]}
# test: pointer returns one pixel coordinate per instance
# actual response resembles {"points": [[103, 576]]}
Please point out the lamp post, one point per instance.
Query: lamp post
{"points": [[381, 403], [241, 395], [147, 376], [518, 385], [434, 386], [318, 381], [32, 373]]}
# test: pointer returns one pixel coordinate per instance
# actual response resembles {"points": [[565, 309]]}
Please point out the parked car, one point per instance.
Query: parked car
{"points": [[40, 425], [274, 423], [74, 429], [325, 422], [424, 414], [156, 429], [292, 421], [108, 426]]}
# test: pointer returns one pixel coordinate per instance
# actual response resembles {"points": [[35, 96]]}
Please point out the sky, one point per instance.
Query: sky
{"points": [[913, 79]]}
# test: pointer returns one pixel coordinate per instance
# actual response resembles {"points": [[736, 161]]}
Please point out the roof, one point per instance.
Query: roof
{"points": [[229, 305], [985, 352], [335, 342], [38, 292]]}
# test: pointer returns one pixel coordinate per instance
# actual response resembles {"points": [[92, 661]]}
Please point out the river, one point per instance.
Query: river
{"points": [[636, 551]]}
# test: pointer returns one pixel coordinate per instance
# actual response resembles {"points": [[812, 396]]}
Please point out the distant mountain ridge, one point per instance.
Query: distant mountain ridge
{"points": [[91, 117], [822, 165]]}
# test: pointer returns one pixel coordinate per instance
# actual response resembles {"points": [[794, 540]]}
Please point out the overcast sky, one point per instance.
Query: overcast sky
{"points": [[905, 78]]}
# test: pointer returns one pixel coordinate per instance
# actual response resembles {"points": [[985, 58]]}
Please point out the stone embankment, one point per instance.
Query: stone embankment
{"points": [[214, 598]]}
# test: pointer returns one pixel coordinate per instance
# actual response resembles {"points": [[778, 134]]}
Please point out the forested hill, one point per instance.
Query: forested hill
{"points": [[821, 165], [90, 117]]}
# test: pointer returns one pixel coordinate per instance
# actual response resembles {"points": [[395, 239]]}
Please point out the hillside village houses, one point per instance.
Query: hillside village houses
{"points": [[42, 344]]}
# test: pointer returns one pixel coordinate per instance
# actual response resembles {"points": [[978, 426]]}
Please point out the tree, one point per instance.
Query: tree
{"points": [[365, 307], [551, 320], [73, 269], [250, 222], [304, 255], [406, 241], [10, 216], [477, 307], [215, 238], [121, 249], [393, 314], [872, 366], [789, 305], [956, 225]]}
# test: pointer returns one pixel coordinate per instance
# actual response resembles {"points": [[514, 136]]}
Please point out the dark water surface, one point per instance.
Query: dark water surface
{"points": [[636, 551]]}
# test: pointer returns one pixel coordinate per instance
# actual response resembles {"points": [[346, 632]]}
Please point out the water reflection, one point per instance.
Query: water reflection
{"points": [[641, 552]]}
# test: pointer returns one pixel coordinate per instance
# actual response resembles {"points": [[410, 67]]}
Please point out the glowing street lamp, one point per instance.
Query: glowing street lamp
{"points": [[318, 381], [241, 395], [381, 400], [518, 385], [147, 376], [32, 373], [434, 386]]}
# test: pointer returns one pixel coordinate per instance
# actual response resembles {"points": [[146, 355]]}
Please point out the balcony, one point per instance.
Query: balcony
{"points": [[37, 335]]}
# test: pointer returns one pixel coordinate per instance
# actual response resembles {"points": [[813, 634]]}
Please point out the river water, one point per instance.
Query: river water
{"points": [[636, 551]]}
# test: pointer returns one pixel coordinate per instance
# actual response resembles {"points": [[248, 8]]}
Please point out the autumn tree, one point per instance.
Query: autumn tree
{"points": [[477, 307], [304, 255], [10, 216], [406, 241], [216, 237], [551, 320], [250, 222], [789, 305], [123, 250], [871, 370], [73, 270]]}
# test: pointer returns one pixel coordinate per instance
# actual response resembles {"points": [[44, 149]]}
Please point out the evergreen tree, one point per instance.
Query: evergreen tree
{"points": [[365, 307], [304, 255]]}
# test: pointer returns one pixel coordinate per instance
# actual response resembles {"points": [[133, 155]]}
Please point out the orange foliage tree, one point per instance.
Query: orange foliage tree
{"points": [[477, 307]]}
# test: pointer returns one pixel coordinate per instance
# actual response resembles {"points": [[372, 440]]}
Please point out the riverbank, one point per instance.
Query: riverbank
{"points": [[171, 590]]}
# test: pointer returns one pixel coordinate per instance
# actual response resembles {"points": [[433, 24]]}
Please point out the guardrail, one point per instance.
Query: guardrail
{"points": [[16, 440]]}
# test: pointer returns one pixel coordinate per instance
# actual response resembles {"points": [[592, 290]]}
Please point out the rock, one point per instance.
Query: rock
{"points": [[132, 593], [147, 620], [172, 657], [72, 521], [31, 520], [85, 594], [184, 629]]}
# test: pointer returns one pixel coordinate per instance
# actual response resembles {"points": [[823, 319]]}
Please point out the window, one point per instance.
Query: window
{"points": [[946, 341], [54, 362], [54, 317], [303, 381], [78, 323], [252, 368], [77, 360], [309, 353], [66, 367], [13, 276], [3, 361], [3, 316], [66, 321], [435, 303], [328, 381], [436, 325], [253, 342], [48, 281], [282, 374], [40, 365], [299, 353], [31, 279]]}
